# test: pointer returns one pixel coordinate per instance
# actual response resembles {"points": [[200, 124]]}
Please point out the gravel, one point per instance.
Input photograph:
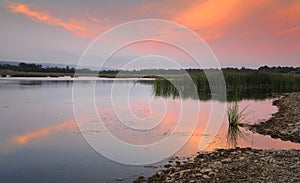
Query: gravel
{"points": [[285, 124], [234, 165]]}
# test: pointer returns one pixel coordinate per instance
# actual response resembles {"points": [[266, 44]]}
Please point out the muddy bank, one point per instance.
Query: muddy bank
{"points": [[234, 165], [285, 124]]}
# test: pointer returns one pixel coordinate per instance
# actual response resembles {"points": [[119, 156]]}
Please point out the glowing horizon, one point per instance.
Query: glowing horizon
{"points": [[241, 33]]}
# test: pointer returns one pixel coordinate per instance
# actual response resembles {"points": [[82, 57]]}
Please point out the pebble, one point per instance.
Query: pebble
{"points": [[227, 160], [295, 130], [206, 177], [269, 166], [285, 123], [205, 170]]}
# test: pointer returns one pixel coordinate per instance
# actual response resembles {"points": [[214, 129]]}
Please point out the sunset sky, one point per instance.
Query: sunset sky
{"points": [[240, 32]]}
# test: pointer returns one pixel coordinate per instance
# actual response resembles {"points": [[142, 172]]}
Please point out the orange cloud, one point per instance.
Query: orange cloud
{"points": [[214, 18], [78, 27], [266, 27], [207, 17], [42, 132]]}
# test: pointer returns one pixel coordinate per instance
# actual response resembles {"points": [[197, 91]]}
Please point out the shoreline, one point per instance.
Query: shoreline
{"points": [[233, 165], [285, 124], [246, 164]]}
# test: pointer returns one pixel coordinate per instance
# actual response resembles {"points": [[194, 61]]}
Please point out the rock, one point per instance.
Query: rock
{"points": [[205, 170], [167, 166], [198, 174], [211, 173], [140, 179], [285, 123], [160, 173], [226, 160], [206, 176], [284, 132], [269, 166], [217, 163], [274, 136], [296, 130], [241, 158], [181, 174]]}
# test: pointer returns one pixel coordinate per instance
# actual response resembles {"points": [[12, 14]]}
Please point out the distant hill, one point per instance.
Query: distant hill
{"points": [[45, 65]]}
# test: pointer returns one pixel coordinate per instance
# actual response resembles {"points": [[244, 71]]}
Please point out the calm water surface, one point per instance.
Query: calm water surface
{"points": [[40, 141]]}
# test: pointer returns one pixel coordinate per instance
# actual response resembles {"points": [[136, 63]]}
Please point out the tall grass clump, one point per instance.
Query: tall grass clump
{"points": [[236, 118]]}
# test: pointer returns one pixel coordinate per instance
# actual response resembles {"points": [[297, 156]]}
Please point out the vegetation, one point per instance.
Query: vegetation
{"points": [[233, 136], [245, 85], [23, 67], [236, 118]]}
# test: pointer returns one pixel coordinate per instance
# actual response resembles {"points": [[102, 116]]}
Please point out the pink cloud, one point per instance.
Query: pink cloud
{"points": [[80, 28]]}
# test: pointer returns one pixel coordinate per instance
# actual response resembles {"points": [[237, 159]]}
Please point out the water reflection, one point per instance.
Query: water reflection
{"points": [[234, 133], [39, 122], [237, 137], [40, 133]]}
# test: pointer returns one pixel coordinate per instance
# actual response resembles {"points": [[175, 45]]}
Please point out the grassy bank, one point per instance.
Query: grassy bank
{"points": [[243, 85]]}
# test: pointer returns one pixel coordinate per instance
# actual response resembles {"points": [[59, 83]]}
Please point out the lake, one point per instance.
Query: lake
{"points": [[40, 140]]}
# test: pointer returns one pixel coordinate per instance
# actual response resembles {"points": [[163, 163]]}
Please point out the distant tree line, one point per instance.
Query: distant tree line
{"points": [[265, 68], [277, 69], [31, 67], [23, 67]]}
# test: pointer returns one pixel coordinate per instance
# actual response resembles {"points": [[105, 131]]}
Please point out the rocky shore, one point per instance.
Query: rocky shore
{"points": [[246, 164], [285, 124], [234, 165]]}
